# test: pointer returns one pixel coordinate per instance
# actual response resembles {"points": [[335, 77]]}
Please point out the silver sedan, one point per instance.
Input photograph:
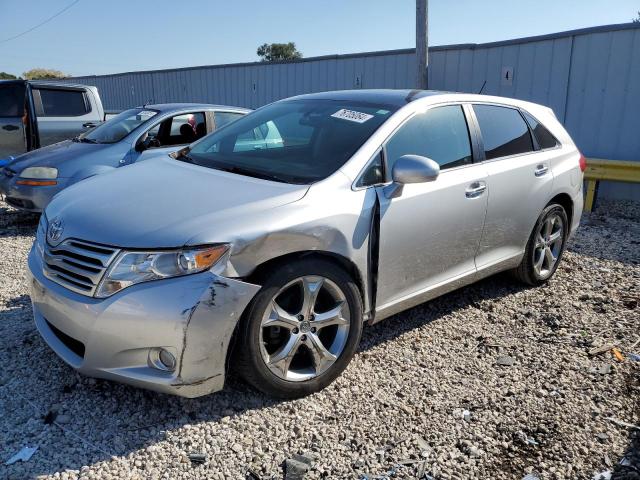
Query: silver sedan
{"points": [[267, 246]]}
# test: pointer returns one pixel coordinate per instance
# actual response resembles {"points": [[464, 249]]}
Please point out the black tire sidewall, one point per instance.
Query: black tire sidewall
{"points": [[254, 369]]}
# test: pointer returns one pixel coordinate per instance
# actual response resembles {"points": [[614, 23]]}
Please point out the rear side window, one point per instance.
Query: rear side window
{"points": [[504, 131], [63, 103], [543, 136], [188, 124], [440, 134], [12, 100], [225, 118]]}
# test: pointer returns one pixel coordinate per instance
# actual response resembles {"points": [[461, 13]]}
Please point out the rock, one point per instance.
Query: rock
{"points": [[601, 369], [505, 361], [294, 469], [63, 419]]}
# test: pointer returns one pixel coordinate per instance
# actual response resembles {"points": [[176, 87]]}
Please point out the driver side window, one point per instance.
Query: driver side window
{"points": [[178, 130], [440, 134]]}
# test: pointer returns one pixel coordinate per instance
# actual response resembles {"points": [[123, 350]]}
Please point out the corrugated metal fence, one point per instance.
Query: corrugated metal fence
{"points": [[590, 77]]}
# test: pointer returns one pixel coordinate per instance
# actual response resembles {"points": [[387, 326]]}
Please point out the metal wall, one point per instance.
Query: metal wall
{"points": [[590, 77], [255, 84]]}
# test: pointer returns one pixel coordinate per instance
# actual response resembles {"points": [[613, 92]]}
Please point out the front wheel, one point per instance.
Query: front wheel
{"points": [[545, 246], [301, 330]]}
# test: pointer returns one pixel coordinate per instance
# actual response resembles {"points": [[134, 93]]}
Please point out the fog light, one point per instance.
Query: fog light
{"points": [[167, 359], [162, 359]]}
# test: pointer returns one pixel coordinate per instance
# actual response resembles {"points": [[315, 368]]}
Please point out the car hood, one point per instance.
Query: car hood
{"points": [[54, 155], [163, 204]]}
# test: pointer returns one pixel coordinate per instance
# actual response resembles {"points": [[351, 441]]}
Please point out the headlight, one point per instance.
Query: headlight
{"points": [[43, 173], [136, 267]]}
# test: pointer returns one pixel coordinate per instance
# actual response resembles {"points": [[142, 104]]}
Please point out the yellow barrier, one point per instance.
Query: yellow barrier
{"points": [[611, 170]]}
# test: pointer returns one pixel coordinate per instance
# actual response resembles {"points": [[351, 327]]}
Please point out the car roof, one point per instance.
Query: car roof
{"points": [[393, 97], [169, 107]]}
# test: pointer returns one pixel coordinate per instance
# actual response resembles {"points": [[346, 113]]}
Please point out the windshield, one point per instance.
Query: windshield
{"points": [[118, 127], [295, 141]]}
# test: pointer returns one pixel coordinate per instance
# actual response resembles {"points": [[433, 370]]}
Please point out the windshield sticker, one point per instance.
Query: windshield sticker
{"points": [[145, 114], [352, 115], [382, 112]]}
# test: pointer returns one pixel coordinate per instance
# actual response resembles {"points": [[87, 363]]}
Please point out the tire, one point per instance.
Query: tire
{"points": [[267, 332], [530, 270]]}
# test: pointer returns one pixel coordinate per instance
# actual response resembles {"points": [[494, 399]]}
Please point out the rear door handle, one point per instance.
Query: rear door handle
{"points": [[89, 125], [475, 189], [541, 170], [10, 128]]}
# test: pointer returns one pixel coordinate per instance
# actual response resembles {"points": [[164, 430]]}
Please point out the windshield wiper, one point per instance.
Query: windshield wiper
{"points": [[84, 140], [252, 173]]}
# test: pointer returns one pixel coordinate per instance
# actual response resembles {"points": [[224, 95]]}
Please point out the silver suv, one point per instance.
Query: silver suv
{"points": [[285, 232]]}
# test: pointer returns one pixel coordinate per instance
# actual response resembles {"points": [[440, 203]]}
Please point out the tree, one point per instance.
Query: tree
{"points": [[7, 76], [637, 19], [42, 73], [271, 52]]}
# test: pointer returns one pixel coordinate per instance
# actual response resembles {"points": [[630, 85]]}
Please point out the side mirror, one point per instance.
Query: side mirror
{"points": [[147, 142], [411, 169], [144, 143]]}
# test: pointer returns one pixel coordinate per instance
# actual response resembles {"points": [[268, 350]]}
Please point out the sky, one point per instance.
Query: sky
{"points": [[111, 36]]}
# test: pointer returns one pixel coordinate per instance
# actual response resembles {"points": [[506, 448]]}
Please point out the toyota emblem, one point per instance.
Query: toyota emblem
{"points": [[56, 227]]}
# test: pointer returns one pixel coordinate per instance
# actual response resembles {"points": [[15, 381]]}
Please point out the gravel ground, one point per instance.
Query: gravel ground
{"points": [[492, 381]]}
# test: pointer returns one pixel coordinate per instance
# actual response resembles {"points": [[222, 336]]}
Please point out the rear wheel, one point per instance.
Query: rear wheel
{"points": [[301, 330], [545, 246]]}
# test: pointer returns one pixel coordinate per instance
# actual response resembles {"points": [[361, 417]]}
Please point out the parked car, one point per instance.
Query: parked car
{"points": [[34, 114], [372, 202], [30, 181]]}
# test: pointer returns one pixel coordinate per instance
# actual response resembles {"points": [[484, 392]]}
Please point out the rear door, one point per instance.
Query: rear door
{"points": [[519, 182], [62, 112], [13, 119]]}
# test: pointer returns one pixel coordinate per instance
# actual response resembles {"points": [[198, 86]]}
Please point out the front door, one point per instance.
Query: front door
{"points": [[429, 234], [12, 119], [170, 135]]}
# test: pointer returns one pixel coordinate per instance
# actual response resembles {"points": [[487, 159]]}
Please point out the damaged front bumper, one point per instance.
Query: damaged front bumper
{"points": [[117, 338]]}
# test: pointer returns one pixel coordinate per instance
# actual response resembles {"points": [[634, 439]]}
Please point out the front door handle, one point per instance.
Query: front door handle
{"points": [[475, 189], [541, 170], [10, 128], [89, 125]]}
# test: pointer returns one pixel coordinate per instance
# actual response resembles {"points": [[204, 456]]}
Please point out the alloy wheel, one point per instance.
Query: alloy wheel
{"points": [[305, 328], [549, 239]]}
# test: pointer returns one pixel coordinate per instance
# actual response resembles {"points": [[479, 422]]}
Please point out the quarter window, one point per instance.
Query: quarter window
{"points": [[543, 136], [373, 174], [63, 103], [440, 134], [504, 131]]}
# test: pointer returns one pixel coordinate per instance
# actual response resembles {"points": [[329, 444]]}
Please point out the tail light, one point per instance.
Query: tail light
{"points": [[583, 163]]}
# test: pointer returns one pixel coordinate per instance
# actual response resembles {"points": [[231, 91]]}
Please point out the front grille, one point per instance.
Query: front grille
{"points": [[77, 265], [76, 346]]}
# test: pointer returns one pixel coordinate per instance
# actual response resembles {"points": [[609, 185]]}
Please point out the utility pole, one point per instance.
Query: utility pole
{"points": [[422, 43]]}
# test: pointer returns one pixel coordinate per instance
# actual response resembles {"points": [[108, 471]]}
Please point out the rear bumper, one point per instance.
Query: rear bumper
{"points": [[578, 206], [193, 317]]}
